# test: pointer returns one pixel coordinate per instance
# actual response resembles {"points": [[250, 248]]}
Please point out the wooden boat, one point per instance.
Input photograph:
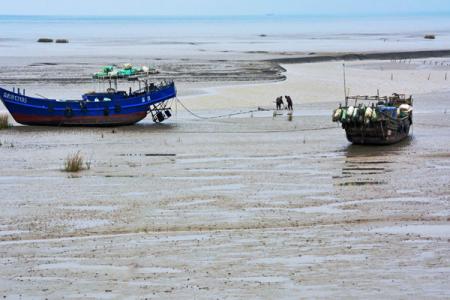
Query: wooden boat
{"points": [[111, 108], [376, 120]]}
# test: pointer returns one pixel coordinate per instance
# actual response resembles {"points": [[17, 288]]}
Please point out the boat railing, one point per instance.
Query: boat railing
{"points": [[367, 98], [395, 99], [154, 87]]}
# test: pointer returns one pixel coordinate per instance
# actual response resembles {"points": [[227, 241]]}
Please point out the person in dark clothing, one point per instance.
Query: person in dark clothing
{"points": [[279, 103], [289, 103]]}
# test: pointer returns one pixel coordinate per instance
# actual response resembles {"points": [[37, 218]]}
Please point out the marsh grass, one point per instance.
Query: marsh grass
{"points": [[74, 163], [4, 121]]}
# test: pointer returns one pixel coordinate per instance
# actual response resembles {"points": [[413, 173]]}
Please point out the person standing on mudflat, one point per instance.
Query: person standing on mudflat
{"points": [[279, 102], [289, 103]]}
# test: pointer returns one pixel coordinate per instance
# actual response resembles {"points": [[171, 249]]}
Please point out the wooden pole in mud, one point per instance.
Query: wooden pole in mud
{"points": [[429, 76], [446, 76], [345, 86], [392, 76]]}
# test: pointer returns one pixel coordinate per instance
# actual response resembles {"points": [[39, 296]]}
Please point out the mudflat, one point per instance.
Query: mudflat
{"points": [[250, 206]]}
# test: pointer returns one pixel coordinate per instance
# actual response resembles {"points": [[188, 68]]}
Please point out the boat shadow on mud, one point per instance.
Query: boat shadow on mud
{"points": [[143, 127], [366, 165], [353, 150]]}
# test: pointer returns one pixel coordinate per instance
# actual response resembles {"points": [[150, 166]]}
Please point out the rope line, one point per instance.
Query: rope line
{"points": [[245, 132], [189, 111], [219, 116], [259, 131]]}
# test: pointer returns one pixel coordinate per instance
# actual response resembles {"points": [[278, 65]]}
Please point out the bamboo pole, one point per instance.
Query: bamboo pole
{"points": [[345, 86]]}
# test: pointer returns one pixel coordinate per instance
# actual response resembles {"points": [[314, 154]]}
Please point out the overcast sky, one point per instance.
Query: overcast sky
{"points": [[220, 7]]}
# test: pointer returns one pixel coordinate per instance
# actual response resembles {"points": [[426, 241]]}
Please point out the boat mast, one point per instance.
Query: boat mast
{"points": [[345, 86]]}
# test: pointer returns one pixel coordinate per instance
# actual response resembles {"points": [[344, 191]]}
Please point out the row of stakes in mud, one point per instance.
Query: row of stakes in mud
{"points": [[281, 106], [425, 62], [429, 76]]}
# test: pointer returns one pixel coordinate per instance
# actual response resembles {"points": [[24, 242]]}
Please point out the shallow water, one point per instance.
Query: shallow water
{"points": [[166, 37]]}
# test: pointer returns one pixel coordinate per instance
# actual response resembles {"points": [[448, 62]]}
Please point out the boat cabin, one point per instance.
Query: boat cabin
{"points": [[101, 97]]}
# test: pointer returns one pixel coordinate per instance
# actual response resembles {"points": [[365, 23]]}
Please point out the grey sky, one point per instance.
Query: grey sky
{"points": [[223, 7]]}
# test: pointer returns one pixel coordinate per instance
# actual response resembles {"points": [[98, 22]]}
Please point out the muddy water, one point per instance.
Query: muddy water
{"points": [[229, 208]]}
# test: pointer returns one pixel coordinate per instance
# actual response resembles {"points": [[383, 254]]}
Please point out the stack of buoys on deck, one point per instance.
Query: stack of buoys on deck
{"points": [[357, 115], [368, 114], [404, 110], [127, 70]]}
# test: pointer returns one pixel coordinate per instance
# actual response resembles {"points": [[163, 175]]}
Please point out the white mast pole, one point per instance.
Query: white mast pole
{"points": [[345, 86]]}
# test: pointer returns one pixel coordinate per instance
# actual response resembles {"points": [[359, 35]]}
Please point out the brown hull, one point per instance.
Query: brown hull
{"points": [[111, 120], [379, 133]]}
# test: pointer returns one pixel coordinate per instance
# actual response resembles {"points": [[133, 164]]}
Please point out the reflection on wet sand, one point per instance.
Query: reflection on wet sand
{"points": [[370, 165]]}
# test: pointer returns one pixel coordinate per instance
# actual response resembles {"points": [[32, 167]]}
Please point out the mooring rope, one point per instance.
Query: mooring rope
{"points": [[246, 112], [219, 116]]}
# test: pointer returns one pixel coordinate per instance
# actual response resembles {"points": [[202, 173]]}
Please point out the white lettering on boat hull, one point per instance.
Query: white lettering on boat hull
{"points": [[13, 97]]}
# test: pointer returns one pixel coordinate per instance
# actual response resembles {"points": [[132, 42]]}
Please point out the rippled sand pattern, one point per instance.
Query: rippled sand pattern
{"points": [[234, 208]]}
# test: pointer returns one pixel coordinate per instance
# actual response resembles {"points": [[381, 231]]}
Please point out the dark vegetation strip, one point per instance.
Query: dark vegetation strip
{"points": [[363, 56]]}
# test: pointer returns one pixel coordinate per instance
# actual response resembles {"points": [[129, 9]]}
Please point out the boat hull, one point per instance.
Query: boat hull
{"points": [[117, 109], [378, 133], [94, 121]]}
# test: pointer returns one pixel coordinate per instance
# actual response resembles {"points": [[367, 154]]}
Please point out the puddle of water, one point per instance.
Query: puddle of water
{"points": [[436, 231], [223, 187], [12, 232], [262, 279], [91, 208], [307, 259], [80, 267], [157, 270], [201, 177], [79, 224], [150, 154], [362, 183], [192, 203]]}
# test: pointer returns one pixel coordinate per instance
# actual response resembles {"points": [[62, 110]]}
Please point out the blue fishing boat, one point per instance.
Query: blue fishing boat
{"points": [[110, 108]]}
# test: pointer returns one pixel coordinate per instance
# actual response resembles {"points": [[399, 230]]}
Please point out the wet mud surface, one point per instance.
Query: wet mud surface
{"points": [[57, 71], [229, 208]]}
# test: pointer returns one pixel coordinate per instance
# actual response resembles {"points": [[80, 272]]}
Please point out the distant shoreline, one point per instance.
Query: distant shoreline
{"points": [[362, 56], [264, 67]]}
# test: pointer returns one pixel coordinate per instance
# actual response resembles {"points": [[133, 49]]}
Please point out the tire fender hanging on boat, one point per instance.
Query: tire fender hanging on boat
{"points": [[68, 112], [83, 106], [106, 111]]}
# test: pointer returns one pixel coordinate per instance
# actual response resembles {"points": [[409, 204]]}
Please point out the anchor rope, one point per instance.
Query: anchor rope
{"points": [[219, 116], [246, 112]]}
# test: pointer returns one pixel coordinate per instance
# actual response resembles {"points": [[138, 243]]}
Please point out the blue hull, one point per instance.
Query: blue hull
{"points": [[96, 109]]}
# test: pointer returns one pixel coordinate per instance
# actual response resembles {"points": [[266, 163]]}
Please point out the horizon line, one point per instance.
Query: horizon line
{"points": [[355, 14]]}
